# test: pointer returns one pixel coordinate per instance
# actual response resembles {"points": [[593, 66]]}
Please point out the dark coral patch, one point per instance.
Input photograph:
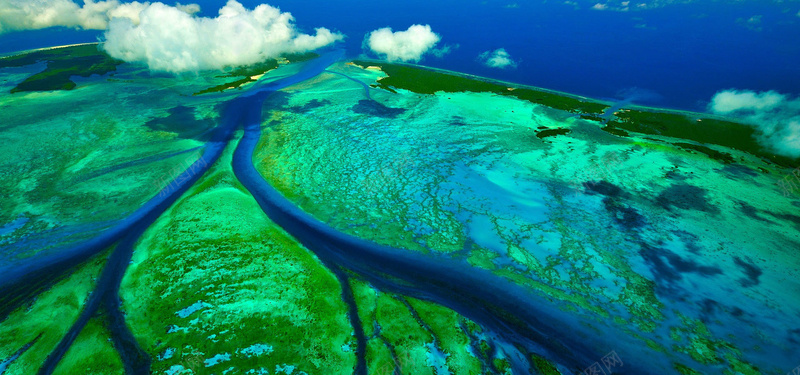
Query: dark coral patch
{"points": [[458, 121], [751, 271], [794, 335], [313, 104], [182, 121], [626, 216], [793, 219], [669, 266], [604, 188], [708, 308], [280, 100], [373, 108], [750, 211], [685, 197], [552, 132], [676, 175], [738, 171]]}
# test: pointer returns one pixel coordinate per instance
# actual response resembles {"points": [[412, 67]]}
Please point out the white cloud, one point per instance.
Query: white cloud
{"points": [[169, 39], [93, 15], [188, 8], [498, 58], [776, 115], [407, 45], [729, 101], [444, 50], [131, 11], [599, 6]]}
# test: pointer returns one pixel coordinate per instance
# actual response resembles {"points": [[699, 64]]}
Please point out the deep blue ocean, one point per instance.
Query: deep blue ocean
{"points": [[681, 54]]}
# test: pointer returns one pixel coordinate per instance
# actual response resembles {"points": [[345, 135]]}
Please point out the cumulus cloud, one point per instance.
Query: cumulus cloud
{"points": [[498, 58], [776, 115], [131, 11], [92, 15], [729, 101], [409, 45], [169, 39], [172, 38]]}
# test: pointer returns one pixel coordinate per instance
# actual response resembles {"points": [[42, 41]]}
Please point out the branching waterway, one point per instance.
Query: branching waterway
{"points": [[520, 322]]}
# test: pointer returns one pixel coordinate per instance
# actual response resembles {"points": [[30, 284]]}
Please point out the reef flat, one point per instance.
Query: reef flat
{"points": [[382, 208], [618, 229]]}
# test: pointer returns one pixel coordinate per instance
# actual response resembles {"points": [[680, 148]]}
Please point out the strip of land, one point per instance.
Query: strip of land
{"points": [[701, 128], [82, 60]]}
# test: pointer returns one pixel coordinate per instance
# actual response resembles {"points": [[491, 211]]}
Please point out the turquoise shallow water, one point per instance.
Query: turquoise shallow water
{"points": [[623, 230], [630, 246]]}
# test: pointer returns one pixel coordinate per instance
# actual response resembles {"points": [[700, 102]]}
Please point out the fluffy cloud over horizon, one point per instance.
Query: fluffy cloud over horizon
{"points": [[775, 115], [169, 39], [93, 15], [408, 45], [498, 58]]}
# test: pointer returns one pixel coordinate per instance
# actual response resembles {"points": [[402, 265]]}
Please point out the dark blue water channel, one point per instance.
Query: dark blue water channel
{"points": [[520, 322]]}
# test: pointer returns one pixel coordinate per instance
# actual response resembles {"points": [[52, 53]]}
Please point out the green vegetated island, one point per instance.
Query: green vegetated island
{"points": [[247, 74], [86, 60], [702, 129], [62, 63]]}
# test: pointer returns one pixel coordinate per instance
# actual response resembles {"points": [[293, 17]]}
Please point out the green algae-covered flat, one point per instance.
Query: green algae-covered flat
{"points": [[649, 241]]}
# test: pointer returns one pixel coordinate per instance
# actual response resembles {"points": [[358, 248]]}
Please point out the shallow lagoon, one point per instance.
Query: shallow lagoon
{"points": [[668, 258]]}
